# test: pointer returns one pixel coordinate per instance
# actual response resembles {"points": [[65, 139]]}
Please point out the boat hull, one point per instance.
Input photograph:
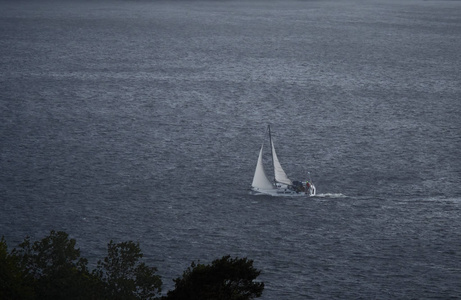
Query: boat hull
{"points": [[284, 192]]}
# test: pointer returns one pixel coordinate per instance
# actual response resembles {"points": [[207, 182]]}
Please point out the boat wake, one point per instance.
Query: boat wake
{"points": [[331, 195]]}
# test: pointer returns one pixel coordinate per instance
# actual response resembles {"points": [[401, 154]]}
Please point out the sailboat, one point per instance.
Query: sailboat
{"points": [[281, 185]]}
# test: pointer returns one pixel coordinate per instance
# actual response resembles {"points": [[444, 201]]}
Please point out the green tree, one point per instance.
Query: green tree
{"points": [[225, 279], [54, 268], [13, 283], [124, 277]]}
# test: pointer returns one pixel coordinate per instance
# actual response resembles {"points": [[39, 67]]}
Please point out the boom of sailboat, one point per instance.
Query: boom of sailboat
{"points": [[281, 185]]}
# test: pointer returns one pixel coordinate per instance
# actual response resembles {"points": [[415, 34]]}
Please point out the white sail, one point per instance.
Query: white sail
{"points": [[260, 180], [280, 175]]}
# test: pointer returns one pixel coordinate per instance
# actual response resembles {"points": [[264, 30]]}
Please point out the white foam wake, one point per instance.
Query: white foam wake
{"points": [[331, 195]]}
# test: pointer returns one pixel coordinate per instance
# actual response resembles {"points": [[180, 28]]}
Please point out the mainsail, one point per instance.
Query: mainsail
{"points": [[280, 175], [260, 180]]}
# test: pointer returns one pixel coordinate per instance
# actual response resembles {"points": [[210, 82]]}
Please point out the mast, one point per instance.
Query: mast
{"points": [[272, 155]]}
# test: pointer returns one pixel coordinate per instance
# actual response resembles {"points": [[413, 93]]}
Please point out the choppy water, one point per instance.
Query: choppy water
{"points": [[142, 120]]}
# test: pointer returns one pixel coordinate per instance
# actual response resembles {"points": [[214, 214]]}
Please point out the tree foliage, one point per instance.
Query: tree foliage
{"points": [[226, 278], [124, 277], [52, 268], [13, 282]]}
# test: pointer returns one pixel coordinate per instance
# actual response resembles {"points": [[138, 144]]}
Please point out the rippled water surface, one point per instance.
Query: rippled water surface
{"points": [[142, 120]]}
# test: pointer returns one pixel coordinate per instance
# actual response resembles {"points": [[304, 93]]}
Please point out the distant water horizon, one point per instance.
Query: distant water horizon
{"points": [[142, 121]]}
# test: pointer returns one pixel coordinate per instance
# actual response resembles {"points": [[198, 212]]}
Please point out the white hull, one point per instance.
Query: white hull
{"points": [[284, 192]]}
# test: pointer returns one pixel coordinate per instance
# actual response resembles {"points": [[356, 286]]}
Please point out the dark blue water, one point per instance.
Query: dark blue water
{"points": [[142, 120]]}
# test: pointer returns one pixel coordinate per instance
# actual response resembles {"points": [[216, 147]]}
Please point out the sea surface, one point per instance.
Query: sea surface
{"points": [[143, 120]]}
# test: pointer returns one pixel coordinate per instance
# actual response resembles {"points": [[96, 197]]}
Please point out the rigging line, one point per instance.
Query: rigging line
{"points": [[272, 155]]}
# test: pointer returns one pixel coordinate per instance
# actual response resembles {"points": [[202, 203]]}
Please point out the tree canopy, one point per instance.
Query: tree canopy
{"points": [[124, 277], [226, 279], [52, 268]]}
